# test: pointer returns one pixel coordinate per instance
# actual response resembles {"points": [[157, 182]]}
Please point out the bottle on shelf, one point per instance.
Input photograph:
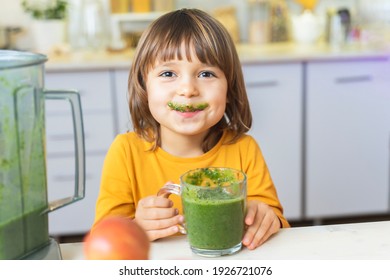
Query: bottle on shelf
{"points": [[259, 21], [120, 6], [141, 6]]}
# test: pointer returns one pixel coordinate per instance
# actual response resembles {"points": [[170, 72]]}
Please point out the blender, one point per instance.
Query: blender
{"points": [[24, 204]]}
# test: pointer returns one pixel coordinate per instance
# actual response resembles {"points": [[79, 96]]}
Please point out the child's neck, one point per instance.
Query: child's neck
{"points": [[182, 145]]}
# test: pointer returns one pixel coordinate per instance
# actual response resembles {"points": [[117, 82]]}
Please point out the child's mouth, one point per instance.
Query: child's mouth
{"points": [[187, 107]]}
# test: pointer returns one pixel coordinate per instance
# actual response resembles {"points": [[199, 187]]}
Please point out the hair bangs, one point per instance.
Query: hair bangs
{"points": [[184, 42]]}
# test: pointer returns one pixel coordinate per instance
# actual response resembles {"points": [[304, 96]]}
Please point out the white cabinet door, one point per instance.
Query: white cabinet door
{"points": [[348, 132], [76, 218], [124, 123], [96, 101], [275, 95], [94, 88]]}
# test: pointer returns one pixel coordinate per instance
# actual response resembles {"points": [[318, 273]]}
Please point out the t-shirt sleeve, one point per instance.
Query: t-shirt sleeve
{"points": [[260, 183], [115, 195]]}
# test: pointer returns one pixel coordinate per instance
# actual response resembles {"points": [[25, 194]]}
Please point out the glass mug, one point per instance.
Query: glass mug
{"points": [[214, 203]]}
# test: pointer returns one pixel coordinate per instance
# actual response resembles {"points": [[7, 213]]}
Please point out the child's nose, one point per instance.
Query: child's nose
{"points": [[187, 89]]}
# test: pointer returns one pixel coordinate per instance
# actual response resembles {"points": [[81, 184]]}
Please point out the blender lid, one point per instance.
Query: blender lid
{"points": [[14, 59]]}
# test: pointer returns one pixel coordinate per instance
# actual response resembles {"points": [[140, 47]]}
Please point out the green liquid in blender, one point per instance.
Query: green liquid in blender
{"points": [[23, 235], [23, 194]]}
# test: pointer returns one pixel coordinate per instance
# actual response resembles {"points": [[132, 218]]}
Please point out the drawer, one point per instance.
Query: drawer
{"points": [[77, 217], [351, 72], [270, 76], [94, 89], [98, 133]]}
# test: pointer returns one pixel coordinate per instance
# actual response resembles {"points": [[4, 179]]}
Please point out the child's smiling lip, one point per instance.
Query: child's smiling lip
{"points": [[187, 108]]}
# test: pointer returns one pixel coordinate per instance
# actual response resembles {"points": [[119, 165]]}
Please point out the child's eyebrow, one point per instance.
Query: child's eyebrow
{"points": [[174, 62], [165, 63]]}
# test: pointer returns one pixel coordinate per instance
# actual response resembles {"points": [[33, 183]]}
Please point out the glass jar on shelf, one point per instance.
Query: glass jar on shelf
{"points": [[259, 22], [279, 21], [163, 5]]}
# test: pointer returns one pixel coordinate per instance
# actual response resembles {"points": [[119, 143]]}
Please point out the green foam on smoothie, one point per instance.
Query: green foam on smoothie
{"points": [[214, 184]]}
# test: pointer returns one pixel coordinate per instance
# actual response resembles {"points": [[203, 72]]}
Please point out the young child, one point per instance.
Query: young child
{"points": [[189, 110]]}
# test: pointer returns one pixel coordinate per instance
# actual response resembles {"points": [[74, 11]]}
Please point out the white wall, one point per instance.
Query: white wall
{"points": [[11, 14]]}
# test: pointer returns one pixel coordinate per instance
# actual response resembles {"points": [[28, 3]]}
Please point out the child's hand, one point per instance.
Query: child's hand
{"points": [[262, 222], [157, 217]]}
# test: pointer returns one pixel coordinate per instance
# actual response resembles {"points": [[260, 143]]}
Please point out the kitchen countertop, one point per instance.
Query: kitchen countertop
{"points": [[358, 241], [269, 53]]}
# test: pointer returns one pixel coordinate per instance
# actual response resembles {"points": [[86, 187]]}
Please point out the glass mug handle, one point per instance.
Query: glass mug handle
{"points": [[173, 189]]}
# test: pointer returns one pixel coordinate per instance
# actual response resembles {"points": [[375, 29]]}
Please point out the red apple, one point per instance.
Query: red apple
{"points": [[116, 238]]}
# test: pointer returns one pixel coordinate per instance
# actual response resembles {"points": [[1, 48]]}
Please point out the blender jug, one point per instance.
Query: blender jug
{"points": [[24, 204]]}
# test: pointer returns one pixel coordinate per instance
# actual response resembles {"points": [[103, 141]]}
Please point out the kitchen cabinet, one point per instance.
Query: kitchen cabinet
{"points": [[98, 117], [275, 96], [76, 218], [348, 138]]}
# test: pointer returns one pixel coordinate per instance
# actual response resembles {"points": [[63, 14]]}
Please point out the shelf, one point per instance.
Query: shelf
{"points": [[127, 23], [136, 17]]}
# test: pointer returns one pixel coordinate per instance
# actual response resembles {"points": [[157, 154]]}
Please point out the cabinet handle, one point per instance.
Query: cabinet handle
{"points": [[64, 137], [70, 177], [61, 137], [262, 84], [354, 79], [64, 178]]}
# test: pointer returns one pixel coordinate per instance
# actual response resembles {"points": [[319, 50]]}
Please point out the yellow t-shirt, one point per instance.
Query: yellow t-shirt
{"points": [[131, 171]]}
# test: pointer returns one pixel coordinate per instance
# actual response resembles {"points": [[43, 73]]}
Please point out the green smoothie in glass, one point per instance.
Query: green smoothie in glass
{"points": [[214, 224], [214, 208]]}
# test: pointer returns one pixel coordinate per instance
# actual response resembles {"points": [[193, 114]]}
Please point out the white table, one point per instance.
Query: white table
{"points": [[359, 241]]}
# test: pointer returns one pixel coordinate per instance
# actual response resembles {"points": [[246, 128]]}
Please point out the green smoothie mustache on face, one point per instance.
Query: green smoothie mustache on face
{"points": [[214, 208], [187, 107]]}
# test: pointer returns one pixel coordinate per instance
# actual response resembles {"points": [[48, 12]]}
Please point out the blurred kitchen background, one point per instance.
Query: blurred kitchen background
{"points": [[318, 79], [105, 23]]}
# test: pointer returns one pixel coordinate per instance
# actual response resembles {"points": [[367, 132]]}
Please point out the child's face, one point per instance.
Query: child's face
{"points": [[186, 97]]}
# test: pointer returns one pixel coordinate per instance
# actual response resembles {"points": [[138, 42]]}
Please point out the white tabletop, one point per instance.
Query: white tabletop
{"points": [[331, 242]]}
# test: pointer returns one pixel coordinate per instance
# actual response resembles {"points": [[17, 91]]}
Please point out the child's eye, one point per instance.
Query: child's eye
{"points": [[207, 74], [168, 74]]}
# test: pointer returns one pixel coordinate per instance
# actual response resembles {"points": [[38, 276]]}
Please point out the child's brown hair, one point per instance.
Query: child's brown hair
{"points": [[212, 45]]}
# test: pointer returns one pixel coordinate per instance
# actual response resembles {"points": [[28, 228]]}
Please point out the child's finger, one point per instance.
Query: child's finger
{"points": [[251, 213], [159, 213], [259, 240], [156, 202], [162, 223], [161, 233]]}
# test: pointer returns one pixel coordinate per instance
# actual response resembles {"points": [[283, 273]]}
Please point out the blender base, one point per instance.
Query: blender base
{"points": [[49, 252]]}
